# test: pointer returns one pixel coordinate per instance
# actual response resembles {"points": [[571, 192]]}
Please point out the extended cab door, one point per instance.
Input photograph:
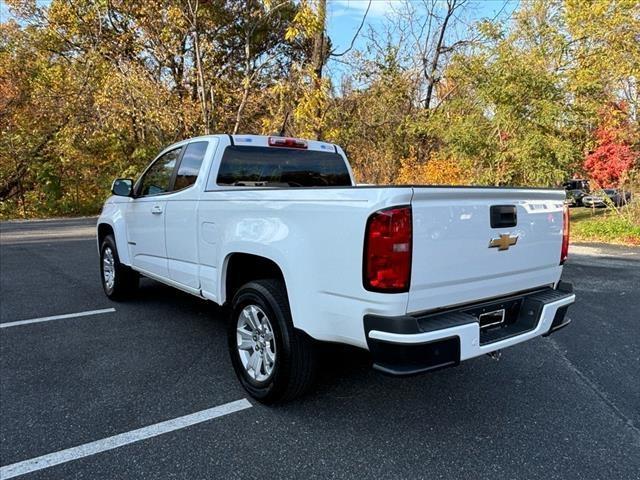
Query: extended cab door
{"points": [[182, 215], [145, 218]]}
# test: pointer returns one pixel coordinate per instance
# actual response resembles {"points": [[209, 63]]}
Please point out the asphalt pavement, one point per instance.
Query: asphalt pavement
{"points": [[566, 406]]}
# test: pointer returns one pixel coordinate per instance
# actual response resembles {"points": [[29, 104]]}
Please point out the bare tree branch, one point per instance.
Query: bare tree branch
{"points": [[431, 75], [353, 40]]}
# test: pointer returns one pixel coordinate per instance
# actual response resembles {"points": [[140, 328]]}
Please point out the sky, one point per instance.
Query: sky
{"points": [[4, 13], [344, 16]]}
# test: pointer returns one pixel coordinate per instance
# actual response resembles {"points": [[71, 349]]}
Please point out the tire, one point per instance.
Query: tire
{"points": [[292, 369], [124, 281]]}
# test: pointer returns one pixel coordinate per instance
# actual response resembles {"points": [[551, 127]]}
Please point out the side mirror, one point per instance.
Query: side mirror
{"points": [[122, 187]]}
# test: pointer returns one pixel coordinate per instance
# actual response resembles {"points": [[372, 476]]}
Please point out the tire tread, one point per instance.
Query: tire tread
{"points": [[127, 279], [300, 364]]}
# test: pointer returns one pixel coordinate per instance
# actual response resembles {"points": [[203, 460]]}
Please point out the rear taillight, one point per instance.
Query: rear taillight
{"points": [[387, 250], [287, 142], [564, 252]]}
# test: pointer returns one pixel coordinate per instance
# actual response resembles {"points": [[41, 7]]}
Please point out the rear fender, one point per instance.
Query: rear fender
{"points": [[251, 249]]}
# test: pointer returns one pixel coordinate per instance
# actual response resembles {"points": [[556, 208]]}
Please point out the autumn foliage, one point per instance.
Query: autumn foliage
{"points": [[435, 171], [92, 90], [613, 157]]}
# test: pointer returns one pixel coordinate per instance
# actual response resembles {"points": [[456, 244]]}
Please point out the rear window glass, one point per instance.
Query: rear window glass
{"points": [[243, 166]]}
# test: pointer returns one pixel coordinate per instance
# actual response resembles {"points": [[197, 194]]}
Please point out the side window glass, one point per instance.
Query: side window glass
{"points": [[190, 165], [158, 177]]}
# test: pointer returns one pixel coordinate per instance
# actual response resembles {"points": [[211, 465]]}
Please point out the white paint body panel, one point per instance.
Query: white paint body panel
{"points": [[145, 234], [316, 237], [451, 262]]}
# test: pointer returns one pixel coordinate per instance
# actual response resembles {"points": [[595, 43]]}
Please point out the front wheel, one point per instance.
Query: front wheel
{"points": [[118, 280], [273, 361]]}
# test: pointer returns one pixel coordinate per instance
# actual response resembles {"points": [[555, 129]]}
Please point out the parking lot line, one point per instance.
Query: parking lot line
{"points": [[109, 443], [56, 317]]}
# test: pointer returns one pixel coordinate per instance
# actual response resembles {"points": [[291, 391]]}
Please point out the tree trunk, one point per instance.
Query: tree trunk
{"points": [[201, 90], [431, 76], [246, 82], [318, 60], [200, 86], [243, 102]]}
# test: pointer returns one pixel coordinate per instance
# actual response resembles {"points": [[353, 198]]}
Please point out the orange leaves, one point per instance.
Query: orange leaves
{"points": [[435, 171]]}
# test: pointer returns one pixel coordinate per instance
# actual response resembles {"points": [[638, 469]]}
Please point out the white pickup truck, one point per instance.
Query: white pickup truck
{"points": [[421, 276]]}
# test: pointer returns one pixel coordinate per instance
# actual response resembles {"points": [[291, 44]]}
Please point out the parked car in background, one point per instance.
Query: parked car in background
{"points": [[617, 198], [577, 184], [574, 198]]}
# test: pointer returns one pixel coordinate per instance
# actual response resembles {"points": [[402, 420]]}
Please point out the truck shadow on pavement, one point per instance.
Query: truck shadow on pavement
{"points": [[346, 372]]}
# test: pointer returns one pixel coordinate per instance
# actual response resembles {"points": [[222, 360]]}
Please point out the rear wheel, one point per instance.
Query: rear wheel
{"points": [[273, 361], [118, 280]]}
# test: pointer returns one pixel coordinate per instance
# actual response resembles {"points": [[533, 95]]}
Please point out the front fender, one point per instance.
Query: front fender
{"points": [[113, 215]]}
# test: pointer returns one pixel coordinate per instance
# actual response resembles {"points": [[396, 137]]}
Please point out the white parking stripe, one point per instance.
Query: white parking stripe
{"points": [[56, 317], [120, 440]]}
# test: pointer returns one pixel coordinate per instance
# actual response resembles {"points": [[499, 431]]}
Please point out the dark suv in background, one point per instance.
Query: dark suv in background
{"points": [[576, 190], [577, 184]]}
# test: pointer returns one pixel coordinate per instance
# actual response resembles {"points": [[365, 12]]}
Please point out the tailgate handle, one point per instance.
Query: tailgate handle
{"points": [[503, 216]]}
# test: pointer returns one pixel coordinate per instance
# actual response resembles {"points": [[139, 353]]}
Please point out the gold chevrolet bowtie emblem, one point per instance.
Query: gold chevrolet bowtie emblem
{"points": [[504, 242]]}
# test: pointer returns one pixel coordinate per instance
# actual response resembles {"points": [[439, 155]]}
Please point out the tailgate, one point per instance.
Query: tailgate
{"points": [[453, 262]]}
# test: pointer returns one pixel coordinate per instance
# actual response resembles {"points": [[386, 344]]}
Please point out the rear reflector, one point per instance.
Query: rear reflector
{"points": [[564, 252], [387, 250], [287, 142]]}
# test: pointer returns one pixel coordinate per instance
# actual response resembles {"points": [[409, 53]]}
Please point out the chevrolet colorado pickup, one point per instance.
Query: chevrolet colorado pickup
{"points": [[276, 228]]}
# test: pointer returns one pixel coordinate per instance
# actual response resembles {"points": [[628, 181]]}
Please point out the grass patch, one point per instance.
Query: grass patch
{"points": [[605, 225]]}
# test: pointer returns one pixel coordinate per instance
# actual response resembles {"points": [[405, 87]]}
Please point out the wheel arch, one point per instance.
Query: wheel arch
{"points": [[104, 229], [240, 268], [116, 229]]}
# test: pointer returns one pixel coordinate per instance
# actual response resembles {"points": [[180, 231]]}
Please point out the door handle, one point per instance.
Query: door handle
{"points": [[156, 209]]}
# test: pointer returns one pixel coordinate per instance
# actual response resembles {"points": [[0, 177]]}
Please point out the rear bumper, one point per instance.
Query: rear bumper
{"points": [[411, 344]]}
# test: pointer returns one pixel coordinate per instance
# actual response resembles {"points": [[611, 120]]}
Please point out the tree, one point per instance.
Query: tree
{"points": [[613, 157], [506, 111], [431, 68], [93, 89], [262, 27], [604, 54]]}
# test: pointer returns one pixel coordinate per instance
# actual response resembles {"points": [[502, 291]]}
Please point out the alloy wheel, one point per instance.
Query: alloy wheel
{"points": [[256, 343]]}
